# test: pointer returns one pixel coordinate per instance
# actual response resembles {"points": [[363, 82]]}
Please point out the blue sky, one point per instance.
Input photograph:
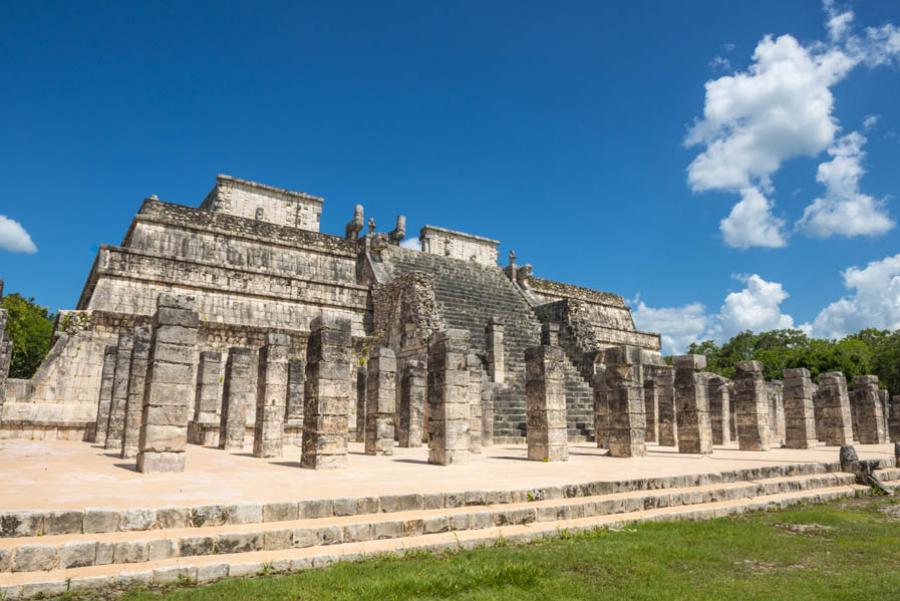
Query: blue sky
{"points": [[575, 134]]}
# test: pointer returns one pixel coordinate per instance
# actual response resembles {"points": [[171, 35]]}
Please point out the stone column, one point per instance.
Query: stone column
{"points": [[271, 396], [169, 386], [867, 399], [545, 398], [651, 409], [381, 401], [732, 421], [885, 411], [495, 354], [108, 375], [799, 416], [775, 395], [326, 413], [293, 414], [412, 404], [894, 421], [833, 421], [475, 410], [627, 421], [751, 406], [6, 348], [719, 409], [137, 383], [361, 387], [487, 414], [664, 376], [692, 405], [601, 406], [204, 429], [115, 430], [448, 398], [237, 395]]}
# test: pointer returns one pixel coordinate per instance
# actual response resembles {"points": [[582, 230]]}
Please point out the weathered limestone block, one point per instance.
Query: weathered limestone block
{"points": [[799, 414], [664, 376], [719, 409], [601, 406], [476, 384], [732, 422], [169, 385], [867, 400], [833, 416], [694, 429], [204, 429], [412, 404], [545, 398], [271, 396], [327, 398], [237, 395], [115, 430], [487, 414], [751, 407], [651, 410], [137, 383], [495, 354], [627, 421], [885, 411], [5, 351], [107, 376], [361, 387], [293, 416], [894, 421], [775, 395], [448, 398], [381, 400]]}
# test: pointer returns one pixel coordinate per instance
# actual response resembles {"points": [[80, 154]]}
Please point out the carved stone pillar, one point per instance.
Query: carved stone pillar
{"points": [[271, 396], [381, 401], [137, 383], [448, 398], [751, 406], [237, 396], [694, 429]]}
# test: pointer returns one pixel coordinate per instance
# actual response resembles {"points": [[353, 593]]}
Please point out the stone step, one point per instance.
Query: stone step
{"points": [[81, 550], [209, 568]]}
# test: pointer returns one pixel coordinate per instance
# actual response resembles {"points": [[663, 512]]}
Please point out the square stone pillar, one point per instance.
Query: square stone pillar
{"points": [[271, 396], [651, 409], [487, 414], [885, 411], [775, 395], [448, 398], [495, 353], [719, 409], [545, 398], [115, 431], [237, 395], [732, 421], [204, 429], [107, 377], [6, 348], [692, 405], [293, 414], [412, 404], [867, 399], [664, 376], [473, 362], [625, 397], [751, 407], [326, 413], [894, 421], [169, 385], [601, 406], [799, 415], [833, 418], [361, 388], [137, 383], [381, 401]]}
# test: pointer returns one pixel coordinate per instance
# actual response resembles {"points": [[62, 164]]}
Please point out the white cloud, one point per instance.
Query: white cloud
{"points": [[720, 63], [751, 223], [839, 21], [875, 302], [411, 243], [870, 121], [844, 210], [756, 307], [14, 238]]}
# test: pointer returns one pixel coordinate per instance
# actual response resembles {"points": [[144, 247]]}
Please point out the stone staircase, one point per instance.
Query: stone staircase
{"points": [[138, 547], [468, 295]]}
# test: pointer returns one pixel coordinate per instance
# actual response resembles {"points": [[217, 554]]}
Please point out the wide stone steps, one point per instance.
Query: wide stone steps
{"points": [[464, 527], [890, 477]]}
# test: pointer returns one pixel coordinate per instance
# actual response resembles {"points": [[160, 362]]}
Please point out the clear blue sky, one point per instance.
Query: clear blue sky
{"points": [[557, 128]]}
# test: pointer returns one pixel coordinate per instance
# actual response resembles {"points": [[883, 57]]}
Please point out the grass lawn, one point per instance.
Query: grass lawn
{"points": [[843, 550]]}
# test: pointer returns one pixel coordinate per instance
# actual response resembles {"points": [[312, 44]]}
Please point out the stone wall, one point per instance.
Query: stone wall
{"points": [[458, 245], [252, 200]]}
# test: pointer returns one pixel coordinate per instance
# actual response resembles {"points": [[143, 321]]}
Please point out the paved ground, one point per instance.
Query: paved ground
{"points": [[75, 475]]}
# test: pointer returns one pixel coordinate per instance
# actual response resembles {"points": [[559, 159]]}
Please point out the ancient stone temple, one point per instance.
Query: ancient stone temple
{"points": [[254, 261]]}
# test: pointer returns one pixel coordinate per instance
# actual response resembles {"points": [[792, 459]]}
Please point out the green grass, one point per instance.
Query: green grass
{"points": [[842, 550]]}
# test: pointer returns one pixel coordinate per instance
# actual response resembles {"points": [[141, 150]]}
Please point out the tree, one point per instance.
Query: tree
{"points": [[30, 328]]}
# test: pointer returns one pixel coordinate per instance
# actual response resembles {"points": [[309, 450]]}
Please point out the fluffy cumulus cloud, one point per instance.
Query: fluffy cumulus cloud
{"points": [[874, 302], [781, 107], [844, 209], [756, 307], [14, 238]]}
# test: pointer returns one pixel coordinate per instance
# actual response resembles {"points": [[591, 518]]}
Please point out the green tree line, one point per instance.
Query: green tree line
{"points": [[868, 351], [30, 327]]}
